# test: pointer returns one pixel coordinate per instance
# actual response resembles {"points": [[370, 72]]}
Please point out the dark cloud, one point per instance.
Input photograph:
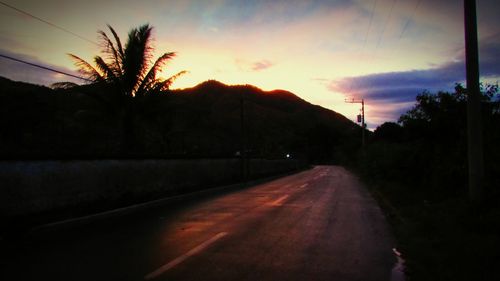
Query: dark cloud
{"points": [[22, 72], [397, 90], [378, 111], [261, 65], [489, 56], [405, 85], [401, 86]]}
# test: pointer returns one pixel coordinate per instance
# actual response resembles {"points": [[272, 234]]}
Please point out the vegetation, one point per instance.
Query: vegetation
{"points": [[128, 112], [418, 168], [123, 73], [128, 68], [205, 121]]}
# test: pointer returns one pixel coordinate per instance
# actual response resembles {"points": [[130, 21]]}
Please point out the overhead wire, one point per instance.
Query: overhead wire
{"points": [[54, 26], [350, 85], [44, 67], [48, 23], [385, 25], [409, 20], [370, 23], [366, 35]]}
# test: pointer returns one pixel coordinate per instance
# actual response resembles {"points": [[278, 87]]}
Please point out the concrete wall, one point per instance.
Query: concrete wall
{"points": [[40, 186]]}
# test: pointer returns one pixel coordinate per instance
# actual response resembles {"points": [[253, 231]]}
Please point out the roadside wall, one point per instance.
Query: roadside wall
{"points": [[28, 187]]}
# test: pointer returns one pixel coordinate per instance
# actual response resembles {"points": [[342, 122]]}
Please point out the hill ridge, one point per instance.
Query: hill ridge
{"points": [[202, 121]]}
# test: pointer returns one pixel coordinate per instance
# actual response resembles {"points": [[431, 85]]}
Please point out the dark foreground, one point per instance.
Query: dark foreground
{"points": [[316, 225]]}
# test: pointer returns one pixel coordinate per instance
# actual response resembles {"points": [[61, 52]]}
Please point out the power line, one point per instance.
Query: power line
{"points": [[370, 24], [44, 67], [366, 38], [385, 25], [379, 40], [411, 18], [47, 22]]}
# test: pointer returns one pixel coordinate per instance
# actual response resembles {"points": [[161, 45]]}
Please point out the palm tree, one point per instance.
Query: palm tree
{"points": [[129, 69], [126, 74]]}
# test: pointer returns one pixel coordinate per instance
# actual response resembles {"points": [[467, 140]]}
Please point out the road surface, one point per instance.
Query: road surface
{"points": [[319, 224]]}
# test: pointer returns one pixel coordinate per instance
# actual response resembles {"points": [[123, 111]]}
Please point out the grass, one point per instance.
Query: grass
{"points": [[448, 239]]}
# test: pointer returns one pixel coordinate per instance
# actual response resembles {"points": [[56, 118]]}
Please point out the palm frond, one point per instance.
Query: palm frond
{"points": [[110, 75], [137, 56], [87, 69], [145, 36], [150, 78], [113, 54], [130, 68], [119, 45], [106, 69], [165, 84]]}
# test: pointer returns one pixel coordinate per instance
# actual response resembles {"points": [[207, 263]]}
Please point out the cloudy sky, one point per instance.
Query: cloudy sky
{"points": [[385, 51]]}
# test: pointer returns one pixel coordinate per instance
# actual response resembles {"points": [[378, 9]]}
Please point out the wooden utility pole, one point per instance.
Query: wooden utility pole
{"points": [[363, 122], [362, 119], [243, 143], [474, 126]]}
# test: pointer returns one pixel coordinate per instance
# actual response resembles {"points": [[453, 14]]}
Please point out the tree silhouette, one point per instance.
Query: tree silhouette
{"points": [[129, 69], [125, 79]]}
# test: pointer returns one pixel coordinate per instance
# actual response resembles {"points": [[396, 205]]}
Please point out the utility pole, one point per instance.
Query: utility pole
{"points": [[361, 118], [474, 126], [243, 146]]}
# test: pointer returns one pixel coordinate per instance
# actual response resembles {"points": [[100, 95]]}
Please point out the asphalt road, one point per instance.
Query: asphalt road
{"points": [[320, 224]]}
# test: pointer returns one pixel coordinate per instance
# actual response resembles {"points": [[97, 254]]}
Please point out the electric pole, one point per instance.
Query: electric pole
{"points": [[243, 147], [361, 118], [474, 126]]}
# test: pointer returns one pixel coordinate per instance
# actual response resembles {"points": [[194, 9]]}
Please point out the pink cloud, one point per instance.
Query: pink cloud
{"points": [[262, 65]]}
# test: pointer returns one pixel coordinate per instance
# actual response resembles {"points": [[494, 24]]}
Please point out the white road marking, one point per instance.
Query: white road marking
{"points": [[304, 185], [182, 258], [279, 200]]}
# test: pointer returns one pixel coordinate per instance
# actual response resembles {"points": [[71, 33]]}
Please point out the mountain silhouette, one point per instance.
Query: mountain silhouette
{"points": [[209, 120]]}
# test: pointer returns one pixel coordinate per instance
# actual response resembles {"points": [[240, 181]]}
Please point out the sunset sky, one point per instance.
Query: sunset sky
{"points": [[385, 51]]}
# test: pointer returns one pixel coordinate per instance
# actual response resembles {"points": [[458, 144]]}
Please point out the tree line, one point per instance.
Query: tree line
{"points": [[417, 167]]}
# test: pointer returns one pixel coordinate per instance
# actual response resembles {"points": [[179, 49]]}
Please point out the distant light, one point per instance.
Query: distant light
{"points": [[288, 156]]}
